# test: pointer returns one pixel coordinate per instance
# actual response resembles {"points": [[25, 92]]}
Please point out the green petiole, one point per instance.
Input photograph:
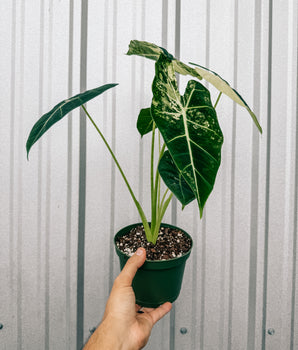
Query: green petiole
{"points": [[139, 208]]}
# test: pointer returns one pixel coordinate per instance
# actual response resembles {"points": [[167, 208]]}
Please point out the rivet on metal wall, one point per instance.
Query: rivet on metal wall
{"points": [[183, 330], [271, 331], [1, 325]]}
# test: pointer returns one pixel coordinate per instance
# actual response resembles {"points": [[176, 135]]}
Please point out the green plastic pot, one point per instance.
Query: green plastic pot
{"points": [[156, 281]]}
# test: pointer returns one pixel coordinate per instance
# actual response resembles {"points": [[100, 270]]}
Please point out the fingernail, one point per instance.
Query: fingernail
{"points": [[139, 252]]}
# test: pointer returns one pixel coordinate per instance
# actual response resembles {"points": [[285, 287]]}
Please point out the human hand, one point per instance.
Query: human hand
{"points": [[122, 326]]}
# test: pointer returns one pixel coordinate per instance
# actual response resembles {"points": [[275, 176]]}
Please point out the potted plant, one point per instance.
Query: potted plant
{"points": [[187, 139]]}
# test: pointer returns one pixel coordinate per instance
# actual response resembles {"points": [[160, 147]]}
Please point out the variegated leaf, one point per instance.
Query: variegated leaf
{"points": [[189, 127], [152, 51], [220, 84]]}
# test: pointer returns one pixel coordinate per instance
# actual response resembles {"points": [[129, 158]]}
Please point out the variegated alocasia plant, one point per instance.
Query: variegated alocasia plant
{"points": [[190, 156]]}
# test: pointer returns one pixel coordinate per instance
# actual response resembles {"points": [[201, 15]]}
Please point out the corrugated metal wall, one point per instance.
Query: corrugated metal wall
{"points": [[60, 210]]}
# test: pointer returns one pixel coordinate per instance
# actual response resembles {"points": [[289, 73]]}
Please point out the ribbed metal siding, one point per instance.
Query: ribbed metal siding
{"points": [[61, 210]]}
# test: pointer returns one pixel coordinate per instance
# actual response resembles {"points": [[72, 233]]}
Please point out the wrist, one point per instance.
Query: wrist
{"points": [[106, 337]]}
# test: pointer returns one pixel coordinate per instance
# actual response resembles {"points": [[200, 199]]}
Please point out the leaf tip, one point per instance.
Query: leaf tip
{"points": [[201, 213], [27, 150], [201, 207]]}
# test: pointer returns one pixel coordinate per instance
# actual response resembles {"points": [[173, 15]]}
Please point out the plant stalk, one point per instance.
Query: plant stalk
{"points": [[161, 214], [156, 195], [153, 197], [219, 95], [157, 178], [139, 208]]}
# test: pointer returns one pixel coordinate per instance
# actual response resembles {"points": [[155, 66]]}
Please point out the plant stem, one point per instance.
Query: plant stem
{"points": [[156, 197], [159, 148], [140, 210], [155, 232], [153, 197], [161, 213], [217, 99], [164, 196]]}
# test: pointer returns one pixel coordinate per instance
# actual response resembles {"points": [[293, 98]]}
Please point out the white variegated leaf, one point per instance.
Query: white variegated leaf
{"points": [[190, 129]]}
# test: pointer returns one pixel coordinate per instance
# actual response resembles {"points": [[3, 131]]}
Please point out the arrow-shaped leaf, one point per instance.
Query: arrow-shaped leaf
{"points": [[174, 179], [223, 86], [189, 127], [145, 121], [152, 51], [59, 111]]}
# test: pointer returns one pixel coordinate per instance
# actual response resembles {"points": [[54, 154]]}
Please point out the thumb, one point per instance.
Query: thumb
{"points": [[129, 270]]}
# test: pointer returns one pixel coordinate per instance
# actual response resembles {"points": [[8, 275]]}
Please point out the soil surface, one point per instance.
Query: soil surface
{"points": [[171, 243]]}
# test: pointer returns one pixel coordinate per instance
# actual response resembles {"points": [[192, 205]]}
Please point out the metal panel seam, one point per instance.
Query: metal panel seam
{"points": [[294, 269], [20, 188], [82, 181], [174, 201], [69, 183], [233, 166], [266, 242], [254, 187]]}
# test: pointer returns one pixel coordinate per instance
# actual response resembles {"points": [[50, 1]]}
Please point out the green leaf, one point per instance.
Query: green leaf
{"points": [[174, 179], [145, 121], [152, 51], [59, 111], [189, 127], [223, 86]]}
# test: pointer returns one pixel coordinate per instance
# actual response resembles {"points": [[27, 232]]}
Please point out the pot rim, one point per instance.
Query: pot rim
{"points": [[182, 258]]}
